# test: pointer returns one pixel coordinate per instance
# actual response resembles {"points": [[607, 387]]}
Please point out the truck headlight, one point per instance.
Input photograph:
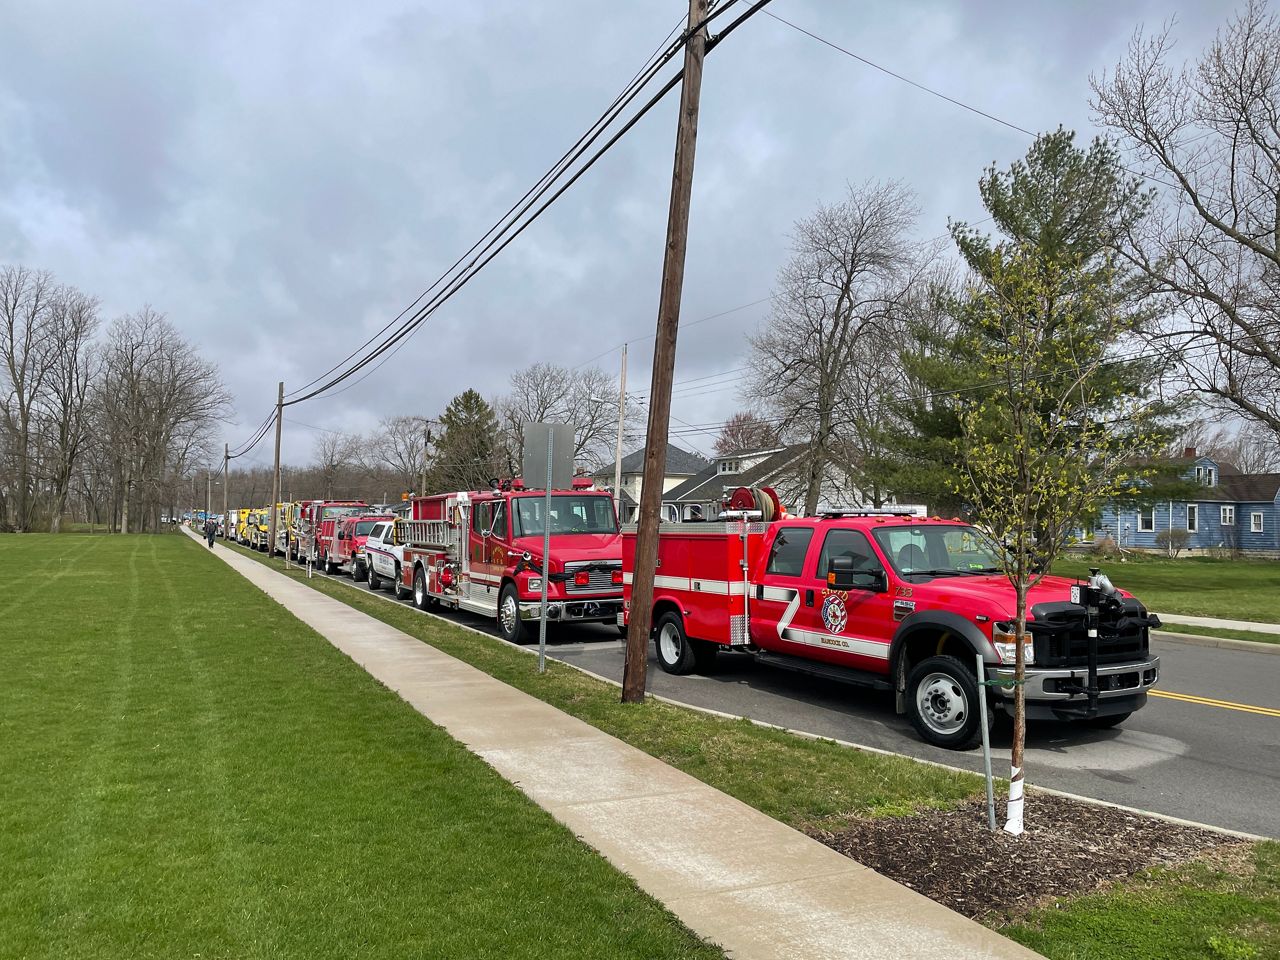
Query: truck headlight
{"points": [[535, 584], [1006, 643]]}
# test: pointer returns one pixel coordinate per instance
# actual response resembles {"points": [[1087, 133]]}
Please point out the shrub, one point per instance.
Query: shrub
{"points": [[1173, 542]]}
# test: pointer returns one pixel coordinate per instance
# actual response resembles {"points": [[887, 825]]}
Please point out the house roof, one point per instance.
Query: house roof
{"points": [[680, 463], [709, 484], [1249, 488]]}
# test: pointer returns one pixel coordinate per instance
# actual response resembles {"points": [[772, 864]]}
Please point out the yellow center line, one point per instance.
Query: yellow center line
{"points": [[1209, 702]]}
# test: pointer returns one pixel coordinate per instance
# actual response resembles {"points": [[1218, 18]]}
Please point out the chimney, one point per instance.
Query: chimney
{"points": [[1189, 453]]}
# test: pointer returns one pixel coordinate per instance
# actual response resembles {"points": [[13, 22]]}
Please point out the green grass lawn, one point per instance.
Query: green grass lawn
{"points": [[1251, 635], [1198, 912], [810, 783], [1194, 586], [188, 771]]}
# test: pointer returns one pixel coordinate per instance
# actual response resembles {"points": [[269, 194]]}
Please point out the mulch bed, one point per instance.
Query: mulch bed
{"points": [[1068, 848]]}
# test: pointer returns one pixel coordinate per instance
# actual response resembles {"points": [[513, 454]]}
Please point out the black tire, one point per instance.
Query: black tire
{"points": [[942, 703], [421, 599], [374, 581], [397, 587], [675, 652], [704, 655], [622, 630], [510, 626], [1107, 722]]}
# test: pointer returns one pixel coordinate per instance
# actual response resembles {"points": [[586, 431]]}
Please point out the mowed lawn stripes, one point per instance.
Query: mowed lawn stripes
{"points": [[187, 770]]}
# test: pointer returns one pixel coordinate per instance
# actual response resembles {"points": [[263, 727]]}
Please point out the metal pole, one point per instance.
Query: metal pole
{"points": [[275, 474], [664, 361], [208, 494], [546, 554], [986, 744], [226, 486], [617, 452]]}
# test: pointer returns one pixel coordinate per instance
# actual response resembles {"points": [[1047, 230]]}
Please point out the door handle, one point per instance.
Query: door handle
{"points": [[808, 598]]}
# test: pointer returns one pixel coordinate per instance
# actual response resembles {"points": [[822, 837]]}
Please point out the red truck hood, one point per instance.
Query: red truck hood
{"points": [[573, 547], [992, 594]]}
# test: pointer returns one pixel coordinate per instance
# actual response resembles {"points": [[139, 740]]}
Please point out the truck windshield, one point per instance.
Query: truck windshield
{"points": [[331, 512], [569, 514], [939, 551], [363, 528]]}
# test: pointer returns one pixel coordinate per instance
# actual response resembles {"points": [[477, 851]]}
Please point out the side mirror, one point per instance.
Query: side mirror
{"points": [[842, 576]]}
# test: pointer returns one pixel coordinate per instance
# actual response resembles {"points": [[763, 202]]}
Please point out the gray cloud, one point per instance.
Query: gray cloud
{"points": [[281, 179]]}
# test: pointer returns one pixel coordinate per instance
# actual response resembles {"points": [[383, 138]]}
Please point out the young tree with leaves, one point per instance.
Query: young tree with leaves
{"points": [[1049, 433]]}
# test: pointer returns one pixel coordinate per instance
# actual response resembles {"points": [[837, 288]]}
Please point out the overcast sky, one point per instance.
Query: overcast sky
{"points": [[281, 178]]}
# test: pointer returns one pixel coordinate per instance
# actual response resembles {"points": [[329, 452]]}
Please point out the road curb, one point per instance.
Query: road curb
{"points": [[848, 744], [1222, 643]]}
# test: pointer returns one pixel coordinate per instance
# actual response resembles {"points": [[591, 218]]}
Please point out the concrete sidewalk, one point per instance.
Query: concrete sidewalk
{"points": [[733, 875], [1218, 624]]}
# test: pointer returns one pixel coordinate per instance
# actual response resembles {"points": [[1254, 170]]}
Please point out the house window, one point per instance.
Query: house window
{"points": [[1147, 520], [1199, 474], [1212, 478], [1228, 516], [730, 466], [1255, 522], [1193, 517]]}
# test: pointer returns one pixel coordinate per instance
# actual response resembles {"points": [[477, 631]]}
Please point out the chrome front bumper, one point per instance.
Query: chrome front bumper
{"points": [[579, 611], [1115, 680]]}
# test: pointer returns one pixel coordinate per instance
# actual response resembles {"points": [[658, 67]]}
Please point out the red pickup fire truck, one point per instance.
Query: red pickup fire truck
{"points": [[317, 519], [893, 602], [348, 548], [482, 551]]}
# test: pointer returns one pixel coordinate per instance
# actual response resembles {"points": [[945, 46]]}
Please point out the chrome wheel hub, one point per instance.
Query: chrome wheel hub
{"points": [[942, 703], [509, 614]]}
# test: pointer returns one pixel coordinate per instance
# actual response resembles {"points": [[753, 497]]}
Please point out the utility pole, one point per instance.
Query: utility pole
{"points": [[426, 446], [226, 486], [275, 478], [617, 451], [208, 494], [664, 359]]}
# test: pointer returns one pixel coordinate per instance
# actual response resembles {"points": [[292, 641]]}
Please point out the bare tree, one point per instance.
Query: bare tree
{"points": [[66, 425], [333, 454], [158, 402], [747, 431], [835, 306], [27, 354], [544, 392], [1211, 133], [1250, 447], [399, 445]]}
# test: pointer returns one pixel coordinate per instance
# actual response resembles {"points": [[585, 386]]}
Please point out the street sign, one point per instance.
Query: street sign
{"points": [[534, 460]]}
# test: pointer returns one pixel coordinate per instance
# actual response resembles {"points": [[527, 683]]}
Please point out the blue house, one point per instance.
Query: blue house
{"points": [[1234, 511]]}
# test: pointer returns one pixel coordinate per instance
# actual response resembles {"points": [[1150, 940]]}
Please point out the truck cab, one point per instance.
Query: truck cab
{"points": [[482, 551], [349, 544], [894, 602]]}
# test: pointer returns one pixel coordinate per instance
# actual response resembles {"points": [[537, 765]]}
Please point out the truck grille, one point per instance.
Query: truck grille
{"points": [[601, 578], [1061, 639]]}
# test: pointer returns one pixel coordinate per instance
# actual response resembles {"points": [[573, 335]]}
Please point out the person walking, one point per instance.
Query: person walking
{"points": [[210, 530]]}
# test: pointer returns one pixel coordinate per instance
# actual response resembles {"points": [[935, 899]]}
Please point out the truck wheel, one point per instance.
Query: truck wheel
{"points": [[1106, 723], [510, 625], [374, 580], [675, 652], [354, 570], [397, 585], [421, 599], [942, 702]]}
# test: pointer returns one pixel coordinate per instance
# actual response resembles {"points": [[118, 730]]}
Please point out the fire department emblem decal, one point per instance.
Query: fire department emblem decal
{"points": [[834, 615]]}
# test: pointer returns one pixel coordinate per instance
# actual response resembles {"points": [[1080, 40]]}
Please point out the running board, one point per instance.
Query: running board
{"points": [[829, 671]]}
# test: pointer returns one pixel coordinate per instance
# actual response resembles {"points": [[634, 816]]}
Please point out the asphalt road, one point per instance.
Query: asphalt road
{"points": [[1210, 762]]}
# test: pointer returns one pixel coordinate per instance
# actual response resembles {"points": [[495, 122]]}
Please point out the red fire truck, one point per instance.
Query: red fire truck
{"points": [[893, 602], [316, 522], [348, 548], [482, 551]]}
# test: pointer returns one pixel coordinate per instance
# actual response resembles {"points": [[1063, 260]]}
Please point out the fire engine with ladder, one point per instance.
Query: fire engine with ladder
{"points": [[481, 551]]}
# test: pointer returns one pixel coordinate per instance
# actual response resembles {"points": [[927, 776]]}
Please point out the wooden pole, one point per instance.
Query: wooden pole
{"points": [[664, 359], [226, 487], [275, 475]]}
